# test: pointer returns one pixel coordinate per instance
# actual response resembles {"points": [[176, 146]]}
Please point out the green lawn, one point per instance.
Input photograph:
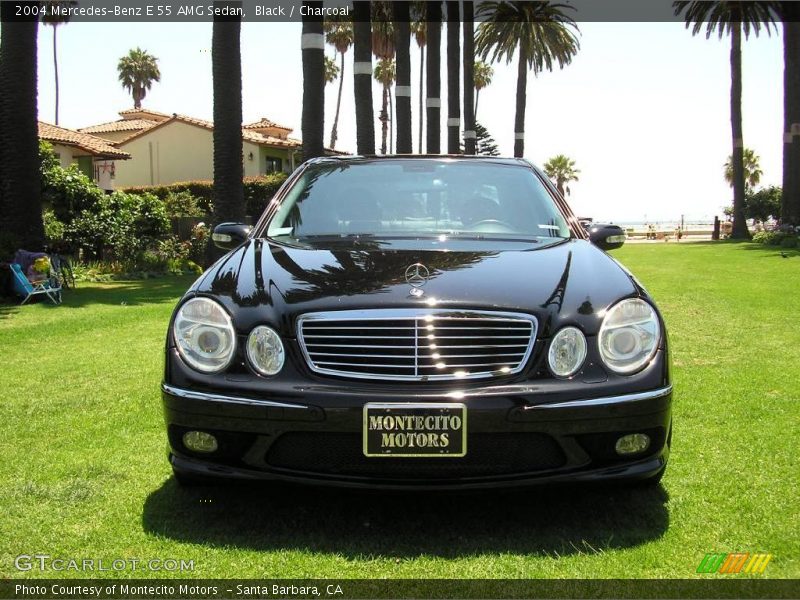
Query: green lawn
{"points": [[84, 474]]}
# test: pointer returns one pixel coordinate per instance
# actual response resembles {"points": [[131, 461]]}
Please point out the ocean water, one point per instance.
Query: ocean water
{"points": [[688, 225]]}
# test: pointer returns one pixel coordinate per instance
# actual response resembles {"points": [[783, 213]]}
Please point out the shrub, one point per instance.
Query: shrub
{"points": [[53, 228], [258, 191], [125, 224], [785, 239], [198, 243], [183, 204], [66, 191], [148, 266]]}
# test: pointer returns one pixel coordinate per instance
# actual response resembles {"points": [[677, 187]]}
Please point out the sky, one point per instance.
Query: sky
{"points": [[644, 108]]}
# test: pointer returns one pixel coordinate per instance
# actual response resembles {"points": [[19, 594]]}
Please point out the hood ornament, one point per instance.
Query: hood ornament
{"points": [[417, 275]]}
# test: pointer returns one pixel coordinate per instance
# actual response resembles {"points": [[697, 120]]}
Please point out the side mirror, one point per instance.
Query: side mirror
{"points": [[607, 237], [228, 236]]}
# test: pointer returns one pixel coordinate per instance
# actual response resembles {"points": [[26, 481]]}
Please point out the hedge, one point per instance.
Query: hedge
{"points": [[257, 191]]}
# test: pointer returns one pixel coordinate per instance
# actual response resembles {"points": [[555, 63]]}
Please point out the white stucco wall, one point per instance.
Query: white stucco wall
{"points": [[251, 167], [64, 154]]}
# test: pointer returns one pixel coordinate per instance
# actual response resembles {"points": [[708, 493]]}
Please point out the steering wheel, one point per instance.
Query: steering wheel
{"points": [[490, 223]]}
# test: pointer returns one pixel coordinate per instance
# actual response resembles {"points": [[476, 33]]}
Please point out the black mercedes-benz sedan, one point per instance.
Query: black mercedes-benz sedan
{"points": [[417, 322]]}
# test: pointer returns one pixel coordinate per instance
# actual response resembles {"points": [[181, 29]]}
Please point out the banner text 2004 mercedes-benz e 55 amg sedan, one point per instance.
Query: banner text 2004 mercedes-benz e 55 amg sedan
{"points": [[420, 321]]}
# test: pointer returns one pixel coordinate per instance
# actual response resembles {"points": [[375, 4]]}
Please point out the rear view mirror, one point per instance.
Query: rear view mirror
{"points": [[228, 236]]}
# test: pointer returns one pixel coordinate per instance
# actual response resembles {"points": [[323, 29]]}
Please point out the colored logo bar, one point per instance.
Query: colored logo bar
{"points": [[734, 562]]}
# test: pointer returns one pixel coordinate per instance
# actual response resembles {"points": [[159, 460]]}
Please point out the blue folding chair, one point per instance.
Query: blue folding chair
{"points": [[27, 290]]}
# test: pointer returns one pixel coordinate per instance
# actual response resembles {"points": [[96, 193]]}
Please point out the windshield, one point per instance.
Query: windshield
{"points": [[418, 198]]}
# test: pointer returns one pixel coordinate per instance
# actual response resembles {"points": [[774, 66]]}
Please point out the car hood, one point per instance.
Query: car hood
{"points": [[263, 282]]}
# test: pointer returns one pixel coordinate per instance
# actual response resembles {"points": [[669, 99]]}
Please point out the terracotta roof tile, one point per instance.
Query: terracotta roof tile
{"points": [[133, 111], [247, 134], [265, 123], [89, 143], [122, 125]]}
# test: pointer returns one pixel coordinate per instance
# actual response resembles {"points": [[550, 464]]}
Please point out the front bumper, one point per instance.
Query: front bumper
{"points": [[512, 440]]}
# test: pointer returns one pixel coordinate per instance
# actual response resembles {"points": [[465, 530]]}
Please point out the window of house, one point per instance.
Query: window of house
{"points": [[274, 165]]}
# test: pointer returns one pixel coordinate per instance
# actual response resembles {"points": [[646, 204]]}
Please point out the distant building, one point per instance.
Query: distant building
{"points": [[166, 149], [95, 156]]}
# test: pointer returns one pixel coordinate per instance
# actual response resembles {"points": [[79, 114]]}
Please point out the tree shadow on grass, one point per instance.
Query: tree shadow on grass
{"points": [[131, 293], [8, 309], [128, 293], [766, 249], [355, 524]]}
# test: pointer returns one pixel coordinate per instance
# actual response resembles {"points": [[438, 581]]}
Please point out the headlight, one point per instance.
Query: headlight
{"points": [[204, 335], [567, 352], [629, 336], [265, 350]]}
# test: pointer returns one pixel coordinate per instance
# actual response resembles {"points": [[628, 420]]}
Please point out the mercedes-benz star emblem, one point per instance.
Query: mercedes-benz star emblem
{"points": [[417, 275]]}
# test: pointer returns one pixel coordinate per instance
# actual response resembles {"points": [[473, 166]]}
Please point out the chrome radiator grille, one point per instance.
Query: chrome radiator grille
{"points": [[416, 345]]}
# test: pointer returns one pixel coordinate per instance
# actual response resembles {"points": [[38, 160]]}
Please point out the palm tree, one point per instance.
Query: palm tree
{"points": [[20, 188], [453, 77], [469, 77], [382, 29], [790, 201], [383, 49], [433, 84], [362, 77], [402, 90], [540, 33], [313, 48], [226, 68], [731, 18], [385, 75], [54, 17], [339, 34], [331, 70], [561, 169], [751, 163], [483, 77], [137, 72], [419, 28]]}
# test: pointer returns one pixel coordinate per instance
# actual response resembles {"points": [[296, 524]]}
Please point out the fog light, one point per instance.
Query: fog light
{"points": [[633, 443], [200, 441]]}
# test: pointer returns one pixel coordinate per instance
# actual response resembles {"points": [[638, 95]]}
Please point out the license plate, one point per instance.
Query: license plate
{"points": [[415, 430]]}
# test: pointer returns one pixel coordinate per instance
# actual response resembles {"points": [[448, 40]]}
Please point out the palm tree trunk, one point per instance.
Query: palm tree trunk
{"points": [[433, 102], [739, 224], [519, 117], [334, 129], [362, 77], [55, 65], [453, 78], [402, 89], [790, 203], [469, 78], [391, 121], [226, 66], [20, 187], [384, 119], [421, 94], [313, 48], [477, 97]]}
